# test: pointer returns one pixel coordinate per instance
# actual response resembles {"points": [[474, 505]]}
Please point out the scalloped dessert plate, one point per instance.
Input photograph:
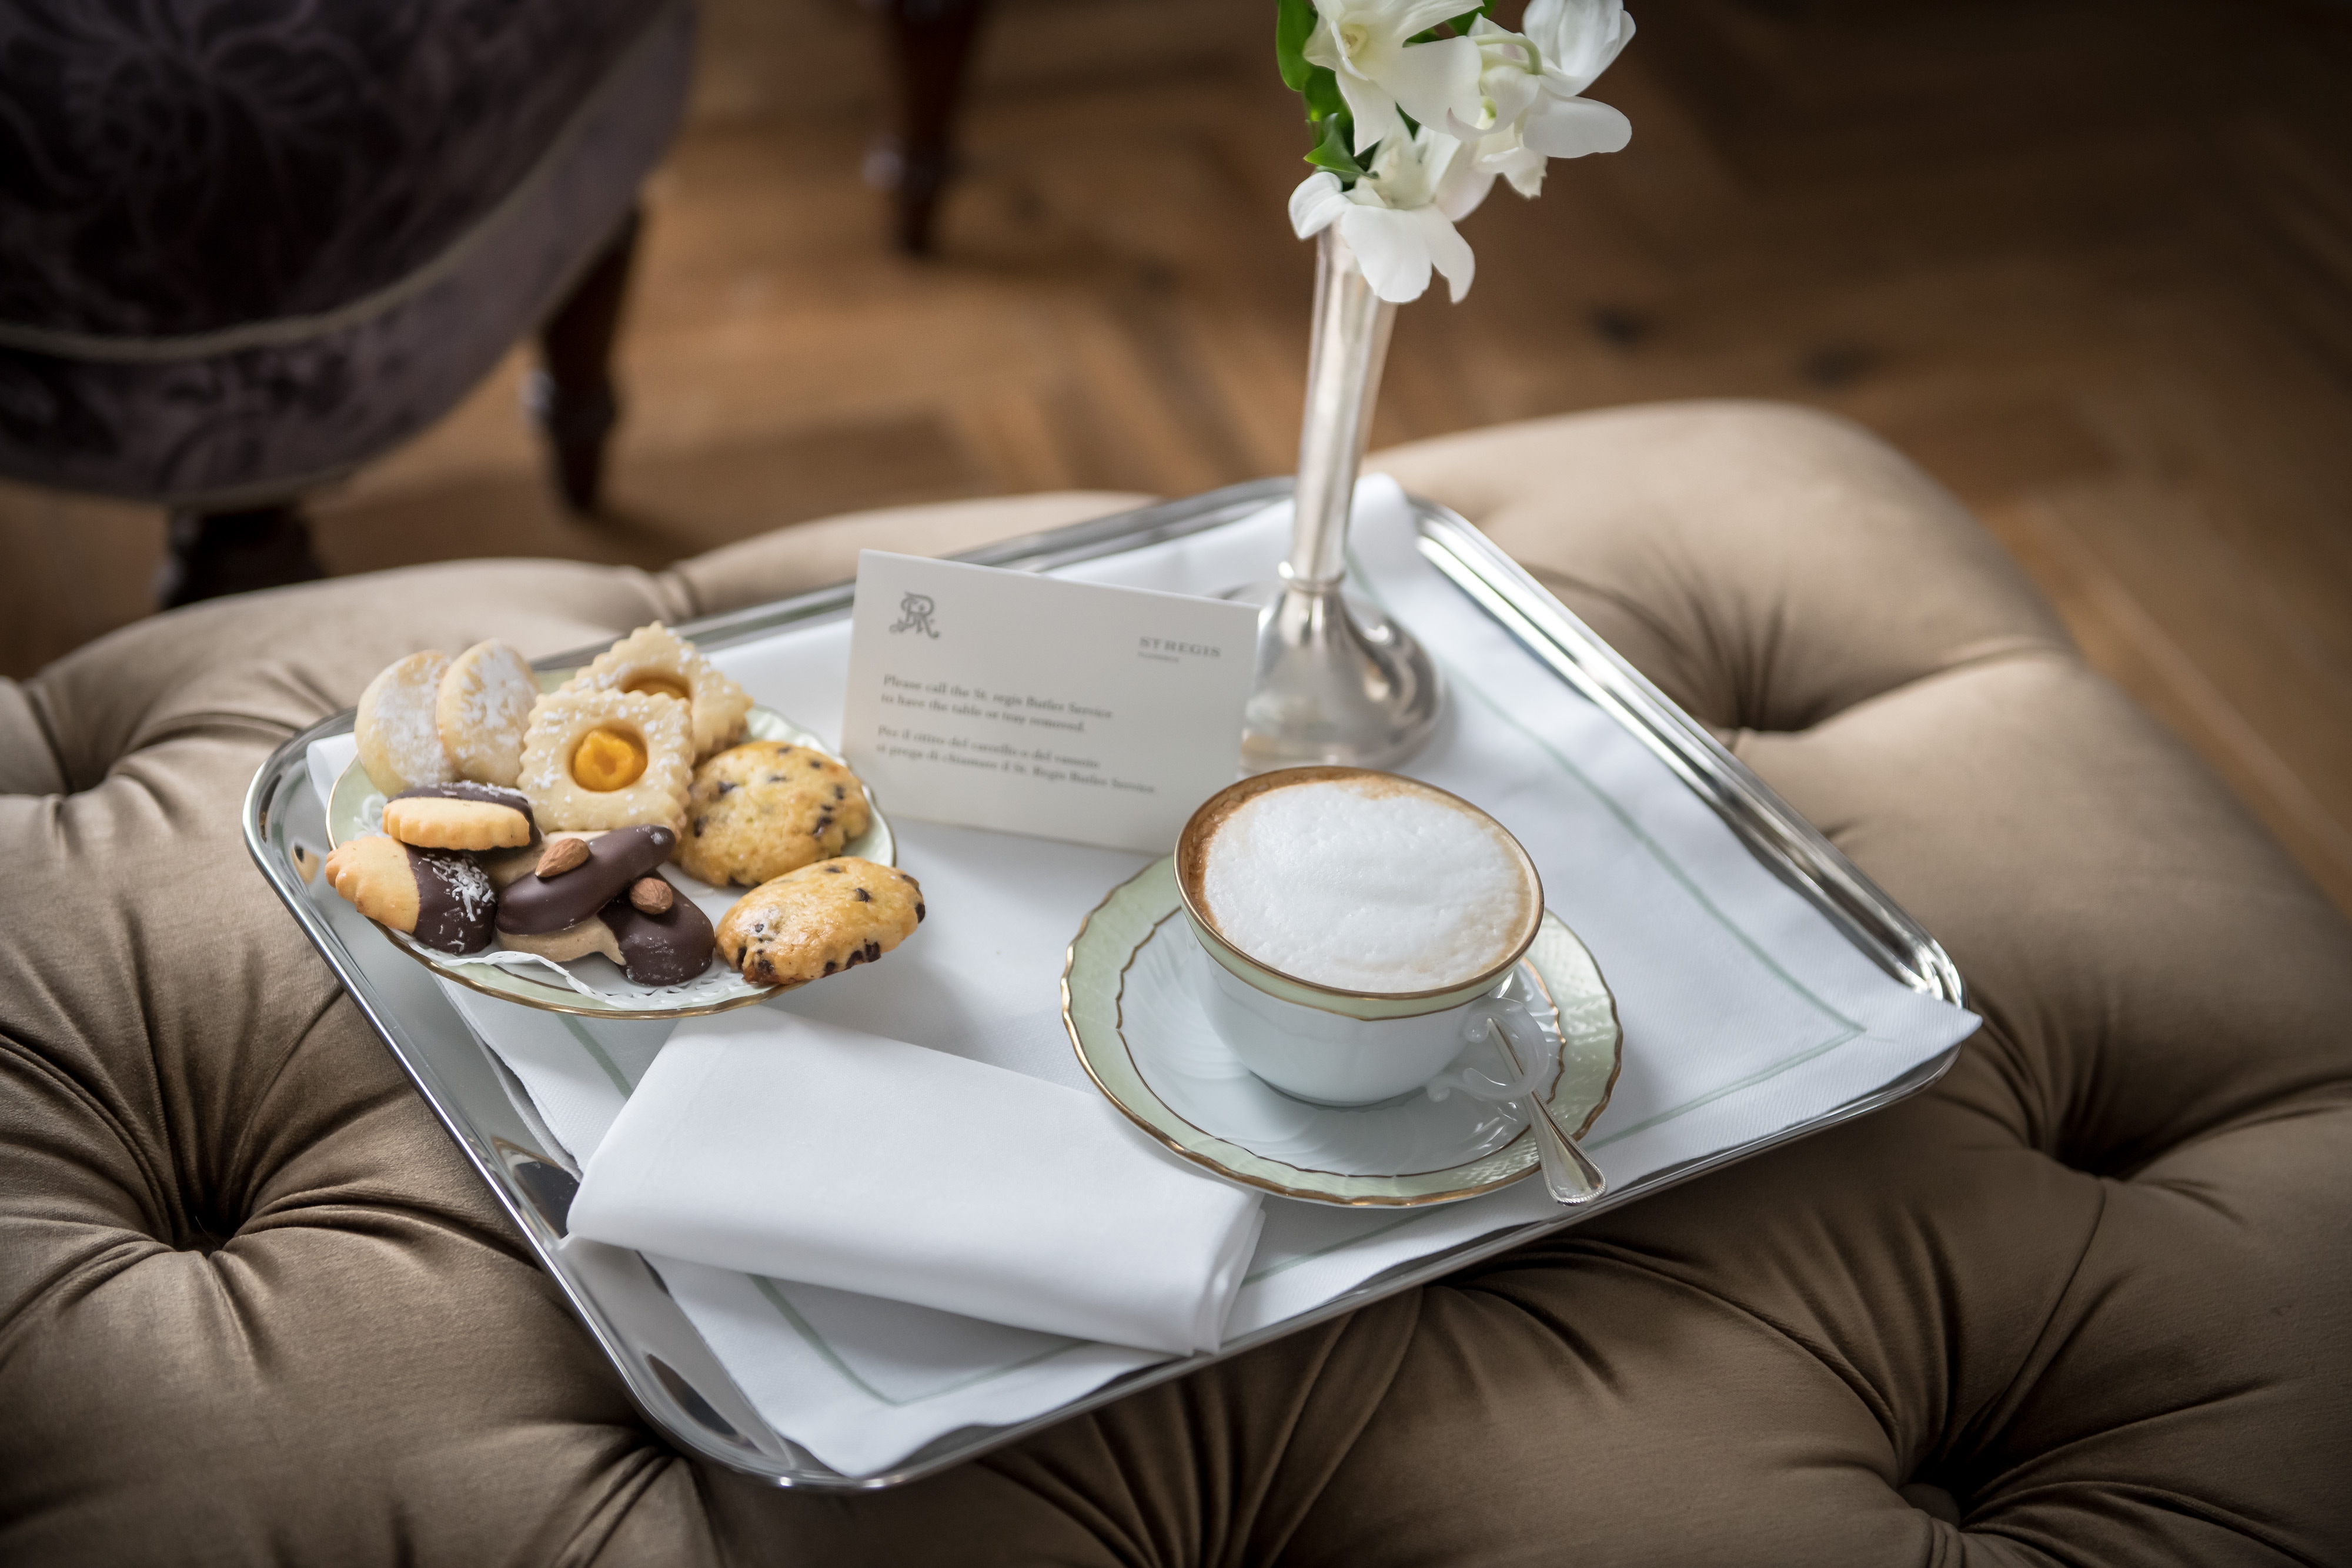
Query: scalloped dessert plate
{"points": [[594, 987], [1129, 1003]]}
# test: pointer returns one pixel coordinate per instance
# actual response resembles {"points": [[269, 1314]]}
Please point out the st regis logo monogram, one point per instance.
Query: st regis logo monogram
{"points": [[915, 612]]}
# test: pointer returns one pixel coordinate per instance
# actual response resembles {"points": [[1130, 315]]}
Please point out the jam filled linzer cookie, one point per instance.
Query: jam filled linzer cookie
{"points": [[441, 899], [819, 920], [400, 738], [764, 807], [459, 817], [607, 759], [481, 707], [653, 659]]}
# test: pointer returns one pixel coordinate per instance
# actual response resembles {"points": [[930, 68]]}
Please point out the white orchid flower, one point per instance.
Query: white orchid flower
{"points": [[1364, 44], [1530, 107], [1393, 219], [1578, 39]]}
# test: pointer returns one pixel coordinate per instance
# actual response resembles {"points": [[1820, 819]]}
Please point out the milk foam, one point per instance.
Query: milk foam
{"points": [[1364, 885]]}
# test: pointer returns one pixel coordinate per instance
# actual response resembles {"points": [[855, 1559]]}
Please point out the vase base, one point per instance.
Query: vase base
{"points": [[1338, 683]]}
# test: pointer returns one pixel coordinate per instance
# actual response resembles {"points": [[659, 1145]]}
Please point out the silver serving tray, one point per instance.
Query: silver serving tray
{"points": [[669, 1372]]}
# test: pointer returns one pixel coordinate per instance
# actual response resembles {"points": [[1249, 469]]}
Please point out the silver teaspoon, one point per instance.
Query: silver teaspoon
{"points": [[1568, 1173]]}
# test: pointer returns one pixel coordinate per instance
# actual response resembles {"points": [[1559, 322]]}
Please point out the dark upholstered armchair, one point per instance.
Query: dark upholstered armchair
{"points": [[246, 246]]}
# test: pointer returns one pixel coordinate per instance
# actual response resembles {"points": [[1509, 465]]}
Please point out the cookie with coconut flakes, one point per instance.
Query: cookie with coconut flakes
{"points": [[440, 898]]}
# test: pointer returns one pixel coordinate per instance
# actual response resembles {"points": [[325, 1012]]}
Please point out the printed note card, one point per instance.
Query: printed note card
{"points": [[1035, 705]]}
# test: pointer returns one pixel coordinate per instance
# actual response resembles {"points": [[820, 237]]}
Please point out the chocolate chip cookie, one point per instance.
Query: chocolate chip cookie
{"points": [[758, 810], [819, 920]]}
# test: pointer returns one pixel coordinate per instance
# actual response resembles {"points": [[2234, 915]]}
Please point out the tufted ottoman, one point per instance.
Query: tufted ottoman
{"points": [[2084, 1303]]}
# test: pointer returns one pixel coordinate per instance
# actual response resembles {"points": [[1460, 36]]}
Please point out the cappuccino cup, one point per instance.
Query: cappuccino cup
{"points": [[1356, 928]]}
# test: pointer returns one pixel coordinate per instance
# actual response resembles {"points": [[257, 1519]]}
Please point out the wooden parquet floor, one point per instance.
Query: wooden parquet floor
{"points": [[2089, 261]]}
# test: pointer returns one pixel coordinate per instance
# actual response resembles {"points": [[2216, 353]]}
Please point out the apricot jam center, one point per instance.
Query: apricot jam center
{"points": [[608, 759]]}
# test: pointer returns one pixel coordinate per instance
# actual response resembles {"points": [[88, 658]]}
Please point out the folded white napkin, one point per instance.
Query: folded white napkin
{"points": [[798, 1150]]}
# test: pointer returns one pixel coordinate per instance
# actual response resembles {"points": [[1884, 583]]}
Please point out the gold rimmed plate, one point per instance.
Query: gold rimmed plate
{"points": [[1130, 1001], [595, 987]]}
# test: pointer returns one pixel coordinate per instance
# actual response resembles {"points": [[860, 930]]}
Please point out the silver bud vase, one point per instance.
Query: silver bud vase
{"points": [[1337, 681]]}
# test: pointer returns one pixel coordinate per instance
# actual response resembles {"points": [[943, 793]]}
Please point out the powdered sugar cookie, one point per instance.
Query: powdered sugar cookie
{"points": [[653, 659], [399, 741], [483, 706], [607, 759]]}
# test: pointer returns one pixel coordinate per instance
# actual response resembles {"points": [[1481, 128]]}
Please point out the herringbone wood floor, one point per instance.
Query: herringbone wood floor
{"points": [[2090, 261]]}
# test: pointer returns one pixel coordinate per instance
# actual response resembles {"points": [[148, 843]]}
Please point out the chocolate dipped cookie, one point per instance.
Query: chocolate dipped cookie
{"points": [[441, 899], [657, 936], [459, 817], [664, 940], [573, 883]]}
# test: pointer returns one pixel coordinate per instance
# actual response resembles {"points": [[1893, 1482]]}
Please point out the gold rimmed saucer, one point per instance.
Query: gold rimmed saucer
{"points": [[1131, 1005]]}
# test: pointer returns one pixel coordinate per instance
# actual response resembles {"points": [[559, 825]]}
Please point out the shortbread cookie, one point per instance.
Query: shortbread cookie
{"points": [[441, 899], [607, 759], [819, 920], [400, 740], [759, 809], [653, 659], [566, 894], [482, 707], [460, 816]]}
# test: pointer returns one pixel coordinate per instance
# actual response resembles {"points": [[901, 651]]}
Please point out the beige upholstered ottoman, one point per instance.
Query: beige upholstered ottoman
{"points": [[2084, 1302]]}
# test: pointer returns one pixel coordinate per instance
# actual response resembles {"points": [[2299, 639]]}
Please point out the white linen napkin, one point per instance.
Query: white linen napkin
{"points": [[798, 1150]]}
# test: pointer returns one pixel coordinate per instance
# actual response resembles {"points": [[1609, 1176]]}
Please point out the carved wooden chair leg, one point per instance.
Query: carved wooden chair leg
{"points": [[930, 50], [208, 554], [572, 396]]}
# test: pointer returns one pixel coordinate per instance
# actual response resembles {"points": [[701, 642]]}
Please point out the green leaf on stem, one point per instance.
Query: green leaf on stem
{"points": [[1324, 101], [1293, 21], [1333, 153]]}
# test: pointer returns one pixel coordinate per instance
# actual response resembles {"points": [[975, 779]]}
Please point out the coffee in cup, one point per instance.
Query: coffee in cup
{"points": [[1355, 927]]}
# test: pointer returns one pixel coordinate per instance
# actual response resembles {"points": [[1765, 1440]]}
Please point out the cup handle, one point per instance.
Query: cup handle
{"points": [[1531, 1042]]}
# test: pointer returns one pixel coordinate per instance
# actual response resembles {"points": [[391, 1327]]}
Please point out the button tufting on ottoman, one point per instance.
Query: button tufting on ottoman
{"points": [[2083, 1302]]}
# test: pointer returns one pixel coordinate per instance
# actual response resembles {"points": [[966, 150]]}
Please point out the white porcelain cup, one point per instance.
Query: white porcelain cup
{"points": [[1335, 1047]]}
